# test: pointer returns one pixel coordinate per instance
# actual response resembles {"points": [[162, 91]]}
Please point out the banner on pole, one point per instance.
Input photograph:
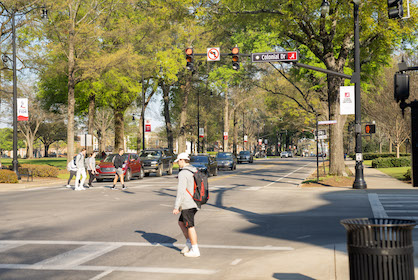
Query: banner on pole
{"points": [[347, 100], [22, 109]]}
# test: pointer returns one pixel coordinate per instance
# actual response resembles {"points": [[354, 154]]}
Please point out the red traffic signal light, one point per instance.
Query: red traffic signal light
{"points": [[189, 59], [370, 128], [235, 58]]}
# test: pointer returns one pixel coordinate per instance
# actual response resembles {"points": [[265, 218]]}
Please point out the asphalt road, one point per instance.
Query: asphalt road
{"points": [[254, 212]]}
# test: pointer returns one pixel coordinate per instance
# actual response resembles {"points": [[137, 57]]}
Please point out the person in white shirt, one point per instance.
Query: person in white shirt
{"points": [[81, 170], [91, 167]]}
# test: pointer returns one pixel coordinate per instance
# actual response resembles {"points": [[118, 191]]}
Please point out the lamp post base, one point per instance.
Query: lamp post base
{"points": [[359, 182]]}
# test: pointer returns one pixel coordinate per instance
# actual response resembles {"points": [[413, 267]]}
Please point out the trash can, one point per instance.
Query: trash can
{"points": [[380, 248]]}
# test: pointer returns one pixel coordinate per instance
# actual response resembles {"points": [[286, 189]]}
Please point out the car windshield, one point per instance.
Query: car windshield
{"points": [[244, 153], [202, 159], [109, 158], [150, 154], [224, 156]]}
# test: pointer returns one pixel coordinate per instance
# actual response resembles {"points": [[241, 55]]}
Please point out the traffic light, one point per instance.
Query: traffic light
{"points": [[235, 58], [395, 9], [370, 128], [189, 59], [401, 91]]}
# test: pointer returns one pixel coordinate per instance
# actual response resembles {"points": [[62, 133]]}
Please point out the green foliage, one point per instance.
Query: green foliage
{"points": [[8, 176], [371, 156], [39, 170], [391, 162], [408, 174], [6, 139]]}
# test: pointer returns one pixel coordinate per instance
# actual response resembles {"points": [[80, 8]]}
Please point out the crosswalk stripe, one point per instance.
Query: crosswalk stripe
{"points": [[113, 268], [6, 247], [78, 256]]}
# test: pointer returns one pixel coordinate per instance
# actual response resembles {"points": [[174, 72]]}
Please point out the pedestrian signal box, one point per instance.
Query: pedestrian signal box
{"points": [[370, 128]]}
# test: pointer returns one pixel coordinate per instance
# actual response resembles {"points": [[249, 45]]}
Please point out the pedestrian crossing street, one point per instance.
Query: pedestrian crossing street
{"points": [[396, 206]]}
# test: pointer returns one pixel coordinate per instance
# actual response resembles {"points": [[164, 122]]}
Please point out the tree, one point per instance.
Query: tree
{"points": [[324, 41], [51, 132], [74, 33]]}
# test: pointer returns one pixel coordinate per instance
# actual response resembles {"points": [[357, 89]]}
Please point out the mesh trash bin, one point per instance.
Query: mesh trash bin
{"points": [[380, 248]]}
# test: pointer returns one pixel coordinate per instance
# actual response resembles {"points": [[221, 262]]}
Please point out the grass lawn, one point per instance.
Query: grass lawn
{"points": [[61, 163], [395, 172], [368, 162]]}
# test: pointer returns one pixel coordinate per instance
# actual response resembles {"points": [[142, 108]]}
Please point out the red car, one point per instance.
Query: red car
{"points": [[131, 168]]}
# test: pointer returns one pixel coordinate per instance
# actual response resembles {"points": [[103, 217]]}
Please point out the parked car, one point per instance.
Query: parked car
{"points": [[157, 161], [131, 168], [226, 160], [245, 156], [205, 164]]}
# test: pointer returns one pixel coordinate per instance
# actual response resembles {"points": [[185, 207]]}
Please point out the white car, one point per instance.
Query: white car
{"points": [[284, 154]]}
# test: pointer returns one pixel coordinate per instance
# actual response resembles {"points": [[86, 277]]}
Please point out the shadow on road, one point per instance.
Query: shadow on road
{"points": [[156, 238], [291, 276]]}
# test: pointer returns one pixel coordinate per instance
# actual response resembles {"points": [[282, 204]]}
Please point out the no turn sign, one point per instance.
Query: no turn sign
{"points": [[214, 54]]}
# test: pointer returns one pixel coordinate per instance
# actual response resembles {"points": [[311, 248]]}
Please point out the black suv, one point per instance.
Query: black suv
{"points": [[157, 161]]}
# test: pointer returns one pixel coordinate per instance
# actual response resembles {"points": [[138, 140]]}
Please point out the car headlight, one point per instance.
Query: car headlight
{"points": [[97, 167], [154, 162]]}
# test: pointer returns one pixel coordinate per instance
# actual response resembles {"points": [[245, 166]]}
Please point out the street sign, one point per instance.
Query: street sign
{"points": [[213, 54], [370, 128], [225, 135], [291, 56], [347, 98], [327, 122], [322, 132], [201, 132], [321, 137]]}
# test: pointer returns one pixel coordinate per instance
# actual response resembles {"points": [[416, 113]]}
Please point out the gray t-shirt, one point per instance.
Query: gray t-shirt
{"points": [[186, 182]]}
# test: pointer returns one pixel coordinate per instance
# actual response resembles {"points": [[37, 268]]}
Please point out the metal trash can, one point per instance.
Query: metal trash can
{"points": [[380, 248]]}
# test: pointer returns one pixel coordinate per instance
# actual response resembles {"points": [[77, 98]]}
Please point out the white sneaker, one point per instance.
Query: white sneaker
{"points": [[185, 250], [192, 254], [78, 189], [68, 186]]}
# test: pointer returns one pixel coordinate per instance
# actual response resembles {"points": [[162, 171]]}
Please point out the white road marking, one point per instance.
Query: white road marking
{"points": [[143, 244], [235, 262], [252, 189], [6, 247], [303, 237], [377, 207], [78, 256], [402, 211], [113, 268], [101, 275], [281, 178]]}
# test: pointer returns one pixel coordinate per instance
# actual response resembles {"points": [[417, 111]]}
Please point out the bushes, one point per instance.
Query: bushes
{"points": [[39, 170], [408, 174], [391, 162], [8, 176]]}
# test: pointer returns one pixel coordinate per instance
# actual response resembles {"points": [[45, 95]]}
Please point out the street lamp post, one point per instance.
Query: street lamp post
{"points": [[15, 162], [359, 182]]}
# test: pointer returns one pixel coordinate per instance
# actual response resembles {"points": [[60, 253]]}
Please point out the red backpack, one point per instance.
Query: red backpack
{"points": [[201, 188]]}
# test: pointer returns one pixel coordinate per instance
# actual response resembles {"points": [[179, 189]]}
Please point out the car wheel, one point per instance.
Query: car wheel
{"points": [[128, 175], [170, 169], [216, 172], [160, 171], [141, 174], [146, 174]]}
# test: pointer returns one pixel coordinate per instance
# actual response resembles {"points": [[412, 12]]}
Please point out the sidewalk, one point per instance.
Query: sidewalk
{"points": [[315, 262], [36, 183]]}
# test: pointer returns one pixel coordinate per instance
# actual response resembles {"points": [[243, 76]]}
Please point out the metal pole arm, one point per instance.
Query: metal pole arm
{"points": [[326, 71]]}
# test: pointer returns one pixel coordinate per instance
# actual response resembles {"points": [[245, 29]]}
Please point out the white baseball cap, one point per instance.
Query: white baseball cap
{"points": [[182, 156]]}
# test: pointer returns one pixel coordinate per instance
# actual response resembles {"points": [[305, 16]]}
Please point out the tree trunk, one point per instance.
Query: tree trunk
{"points": [[226, 122], [380, 147], [119, 129], [390, 145], [336, 153], [183, 116], [46, 150], [71, 97], [92, 110], [398, 147], [168, 126]]}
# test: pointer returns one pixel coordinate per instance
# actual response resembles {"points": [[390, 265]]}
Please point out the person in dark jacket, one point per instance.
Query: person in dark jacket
{"points": [[118, 162]]}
